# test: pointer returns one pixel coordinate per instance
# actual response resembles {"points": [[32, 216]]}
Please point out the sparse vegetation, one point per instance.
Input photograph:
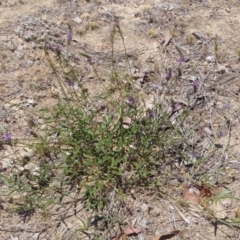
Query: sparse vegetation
{"points": [[96, 150], [122, 140]]}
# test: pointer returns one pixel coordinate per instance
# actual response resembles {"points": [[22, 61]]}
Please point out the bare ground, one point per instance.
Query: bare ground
{"points": [[213, 53]]}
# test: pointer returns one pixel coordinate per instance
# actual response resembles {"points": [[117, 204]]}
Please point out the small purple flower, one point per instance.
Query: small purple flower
{"points": [[69, 37], [49, 45], [221, 134], [196, 85], [175, 106], [182, 59], [70, 82], [91, 60], [132, 101], [227, 106], [117, 24], [150, 113], [7, 137], [168, 74], [58, 48]]}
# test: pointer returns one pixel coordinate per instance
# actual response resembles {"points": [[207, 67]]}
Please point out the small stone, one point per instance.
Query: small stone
{"points": [[228, 10], [137, 76], [194, 140], [14, 238], [222, 69], [191, 159], [11, 46], [126, 121], [90, 77], [29, 37], [75, 86], [44, 18], [28, 154], [66, 70], [20, 55], [33, 168], [34, 45], [31, 102], [35, 236], [145, 70], [166, 6], [210, 59], [206, 143], [29, 62], [132, 70], [77, 20], [150, 221], [208, 131], [199, 35], [55, 92], [155, 212], [193, 78], [144, 207], [174, 182]]}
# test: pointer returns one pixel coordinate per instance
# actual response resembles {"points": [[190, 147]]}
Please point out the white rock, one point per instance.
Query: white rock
{"points": [[193, 78], [11, 46], [210, 59], [208, 131], [228, 10], [30, 102], [126, 121], [77, 20], [222, 69]]}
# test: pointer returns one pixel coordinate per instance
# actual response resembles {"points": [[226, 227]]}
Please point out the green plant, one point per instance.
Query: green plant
{"points": [[90, 146]]}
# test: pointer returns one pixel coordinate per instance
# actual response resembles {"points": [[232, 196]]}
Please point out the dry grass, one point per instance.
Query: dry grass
{"points": [[198, 102]]}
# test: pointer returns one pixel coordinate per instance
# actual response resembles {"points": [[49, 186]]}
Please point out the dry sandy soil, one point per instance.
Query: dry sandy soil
{"points": [[207, 32]]}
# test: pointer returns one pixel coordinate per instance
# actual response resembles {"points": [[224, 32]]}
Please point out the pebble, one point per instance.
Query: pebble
{"points": [[90, 77], [194, 140], [20, 55], [210, 59], [34, 45], [126, 121], [155, 212], [11, 46], [193, 78], [191, 159], [208, 131], [228, 10], [166, 6], [77, 20], [199, 35], [31, 102], [222, 69], [29, 62]]}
